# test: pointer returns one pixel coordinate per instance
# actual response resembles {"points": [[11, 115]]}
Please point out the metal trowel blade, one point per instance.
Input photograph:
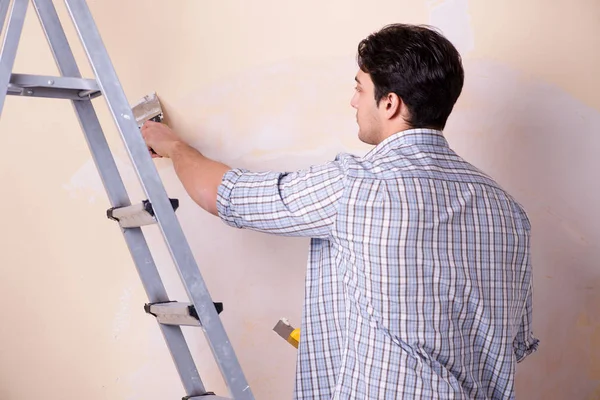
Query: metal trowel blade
{"points": [[148, 109]]}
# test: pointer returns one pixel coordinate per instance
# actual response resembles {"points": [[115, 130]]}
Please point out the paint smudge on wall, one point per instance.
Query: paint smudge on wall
{"points": [[453, 19]]}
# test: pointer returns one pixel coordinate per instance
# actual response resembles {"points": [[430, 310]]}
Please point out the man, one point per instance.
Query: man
{"points": [[419, 282]]}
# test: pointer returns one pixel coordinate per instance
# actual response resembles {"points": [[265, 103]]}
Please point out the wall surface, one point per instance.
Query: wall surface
{"points": [[266, 85]]}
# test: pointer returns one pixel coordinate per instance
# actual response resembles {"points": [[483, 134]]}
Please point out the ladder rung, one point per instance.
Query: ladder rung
{"points": [[175, 313], [206, 397], [56, 87], [136, 215]]}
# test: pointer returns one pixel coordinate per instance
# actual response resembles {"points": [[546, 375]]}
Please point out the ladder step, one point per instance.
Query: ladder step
{"points": [[136, 215], [175, 313], [56, 87]]}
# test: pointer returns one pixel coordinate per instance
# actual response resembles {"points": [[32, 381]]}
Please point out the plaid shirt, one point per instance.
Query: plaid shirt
{"points": [[419, 281]]}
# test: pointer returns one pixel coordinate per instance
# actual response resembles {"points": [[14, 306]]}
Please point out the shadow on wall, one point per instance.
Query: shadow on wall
{"points": [[542, 145]]}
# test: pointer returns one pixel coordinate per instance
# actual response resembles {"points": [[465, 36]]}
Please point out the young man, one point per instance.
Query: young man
{"points": [[419, 281]]}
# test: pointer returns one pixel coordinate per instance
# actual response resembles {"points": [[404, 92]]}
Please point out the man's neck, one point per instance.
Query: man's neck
{"points": [[393, 129]]}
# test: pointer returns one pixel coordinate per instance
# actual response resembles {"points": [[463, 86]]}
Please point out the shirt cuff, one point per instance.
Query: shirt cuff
{"points": [[523, 350], [225, 207]]}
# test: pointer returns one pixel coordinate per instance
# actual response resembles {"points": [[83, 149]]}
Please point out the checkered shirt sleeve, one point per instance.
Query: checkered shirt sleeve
{"points": [[300, 203]]}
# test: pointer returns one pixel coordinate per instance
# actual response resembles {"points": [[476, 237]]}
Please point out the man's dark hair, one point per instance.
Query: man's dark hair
{"points": [[418, 64]]}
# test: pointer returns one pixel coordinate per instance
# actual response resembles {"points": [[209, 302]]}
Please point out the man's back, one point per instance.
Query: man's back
{"points": [[426, 283]]}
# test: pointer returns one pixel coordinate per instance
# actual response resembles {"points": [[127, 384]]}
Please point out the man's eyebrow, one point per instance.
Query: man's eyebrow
{"points": [[356, 79]]}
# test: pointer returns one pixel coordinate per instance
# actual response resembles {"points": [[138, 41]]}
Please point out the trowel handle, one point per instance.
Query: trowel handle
{"points": [[158, 118]]}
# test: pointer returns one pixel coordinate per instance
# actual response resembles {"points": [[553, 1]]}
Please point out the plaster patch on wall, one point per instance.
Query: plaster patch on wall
{"points": [[86, 182], [123, 315], [453, 19]]}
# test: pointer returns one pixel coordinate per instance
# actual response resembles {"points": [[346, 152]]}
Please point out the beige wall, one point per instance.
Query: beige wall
{"points": [[267, 85]]}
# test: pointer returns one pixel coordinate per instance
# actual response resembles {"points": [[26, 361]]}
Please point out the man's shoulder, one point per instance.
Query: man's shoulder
{"points": [[490, 184], [368, 167]]}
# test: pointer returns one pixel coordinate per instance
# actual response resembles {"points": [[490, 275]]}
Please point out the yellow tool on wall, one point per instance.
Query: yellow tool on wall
{"points": [[288, 332]]}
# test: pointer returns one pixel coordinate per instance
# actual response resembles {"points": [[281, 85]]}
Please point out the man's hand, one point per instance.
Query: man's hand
{"points": [[199, 175], [160, 138]]}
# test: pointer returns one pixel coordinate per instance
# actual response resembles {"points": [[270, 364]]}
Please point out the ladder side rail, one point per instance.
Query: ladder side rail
{"points": [[117, 194], [152, 185], [11, 43], [3, 12]]}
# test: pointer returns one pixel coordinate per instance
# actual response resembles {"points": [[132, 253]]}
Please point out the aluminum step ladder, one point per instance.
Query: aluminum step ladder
{"points": [[201, 311]]}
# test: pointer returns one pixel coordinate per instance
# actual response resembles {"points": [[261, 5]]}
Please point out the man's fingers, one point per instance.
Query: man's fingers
{"points": [[147, 124], [145, 134]]}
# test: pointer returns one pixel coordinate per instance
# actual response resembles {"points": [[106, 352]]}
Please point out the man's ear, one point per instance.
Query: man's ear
{"points": [[392, 105]]}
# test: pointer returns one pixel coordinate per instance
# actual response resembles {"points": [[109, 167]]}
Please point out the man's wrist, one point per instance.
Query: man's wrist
{"points": [[175, 148]]}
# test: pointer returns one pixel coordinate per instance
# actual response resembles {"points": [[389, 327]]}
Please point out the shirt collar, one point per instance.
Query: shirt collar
{"points": [[415, 136]]}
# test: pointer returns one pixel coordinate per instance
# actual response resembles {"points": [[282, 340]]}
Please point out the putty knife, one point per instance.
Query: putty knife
{"points": [[148, 108]]}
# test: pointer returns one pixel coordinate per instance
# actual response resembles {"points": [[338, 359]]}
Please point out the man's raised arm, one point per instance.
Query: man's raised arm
{"points": [[199, 175]]}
